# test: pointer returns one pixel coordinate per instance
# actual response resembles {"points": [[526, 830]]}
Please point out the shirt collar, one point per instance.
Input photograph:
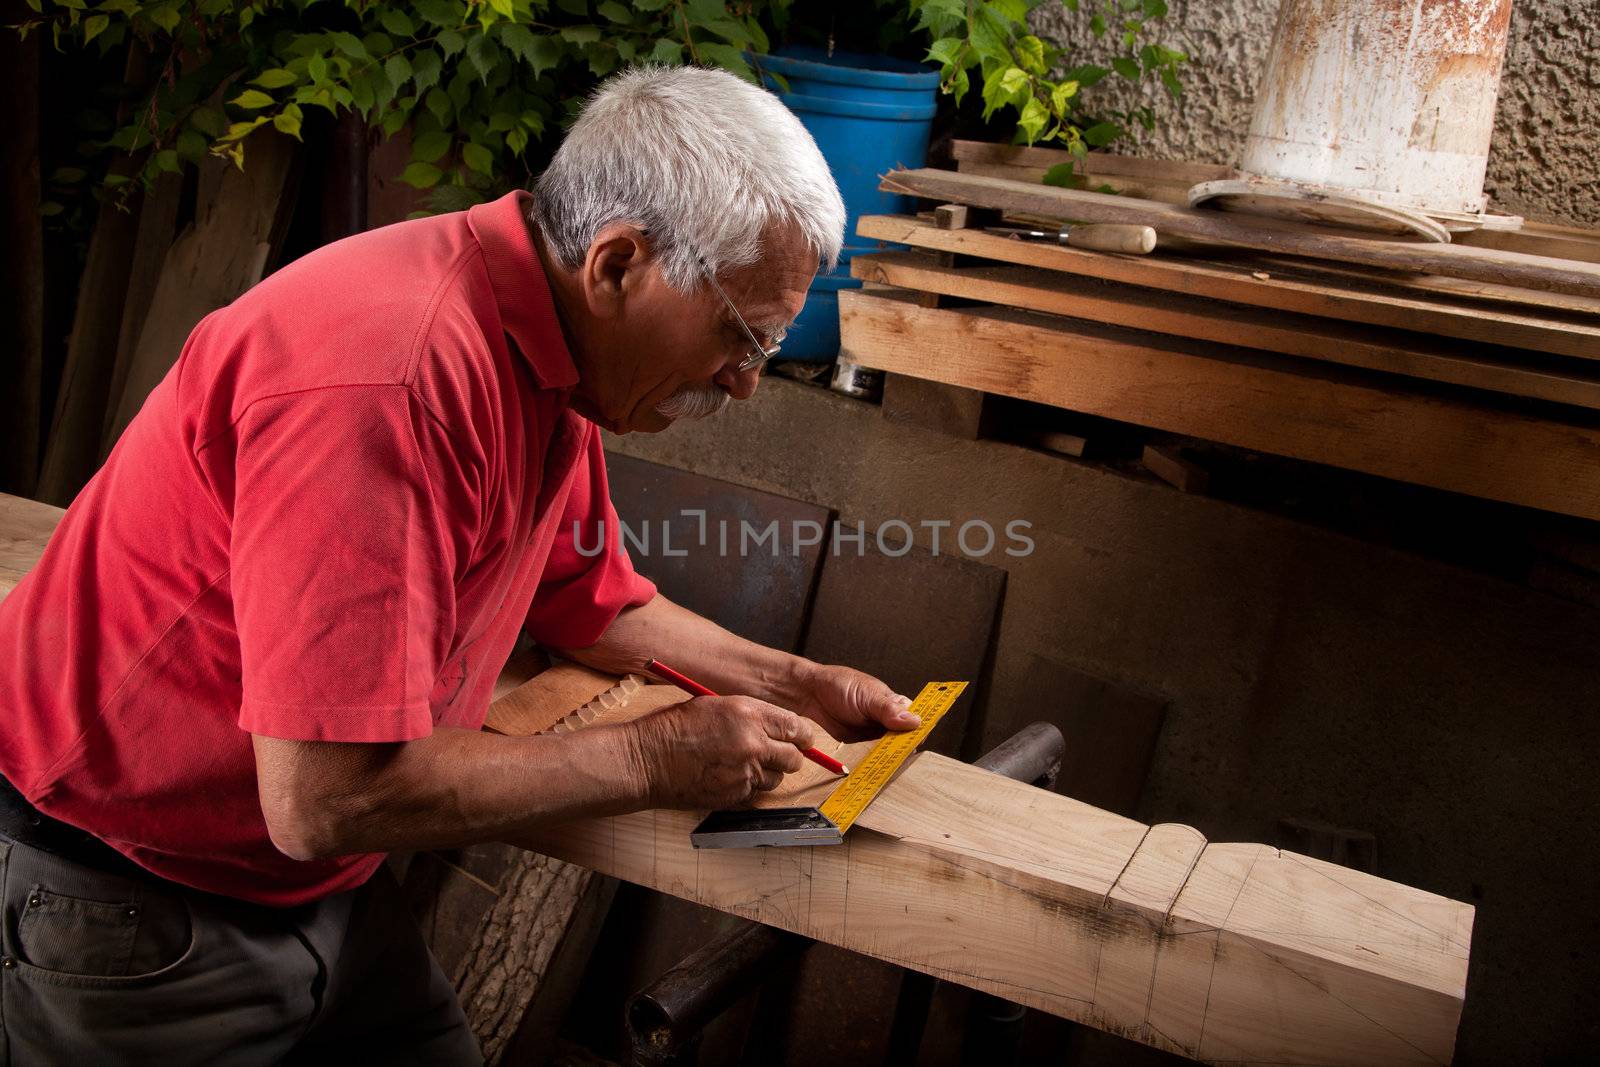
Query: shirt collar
{"points": [[521, 291]]}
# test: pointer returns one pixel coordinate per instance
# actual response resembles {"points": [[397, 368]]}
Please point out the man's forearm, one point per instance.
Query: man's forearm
{"points": [[452, 788], [693, 644]]}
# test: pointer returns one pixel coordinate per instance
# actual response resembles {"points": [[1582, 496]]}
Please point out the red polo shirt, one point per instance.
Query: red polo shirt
{"points": [[328, 522]]}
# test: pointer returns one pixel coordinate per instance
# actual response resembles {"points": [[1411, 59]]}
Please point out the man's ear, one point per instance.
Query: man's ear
{"points": [[618, 258]]}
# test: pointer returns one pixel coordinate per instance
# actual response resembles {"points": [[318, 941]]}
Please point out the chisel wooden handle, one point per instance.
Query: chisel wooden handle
{"points": [[1110, 237]]}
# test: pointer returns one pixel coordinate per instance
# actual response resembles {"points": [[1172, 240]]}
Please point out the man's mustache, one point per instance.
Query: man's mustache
{"points": [[692, 401]]}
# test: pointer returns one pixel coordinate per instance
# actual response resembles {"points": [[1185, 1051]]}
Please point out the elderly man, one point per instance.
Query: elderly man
{"points": [[258, 651]]}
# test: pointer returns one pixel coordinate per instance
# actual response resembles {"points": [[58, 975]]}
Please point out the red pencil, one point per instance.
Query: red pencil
{"points": [[689, 685]]}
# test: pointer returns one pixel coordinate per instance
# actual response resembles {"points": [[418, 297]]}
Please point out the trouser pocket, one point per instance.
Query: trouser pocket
{"points": [[119, 937]]}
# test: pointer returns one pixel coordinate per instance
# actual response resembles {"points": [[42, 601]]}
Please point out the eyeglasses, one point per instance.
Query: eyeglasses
{"points": [[759, 353]]}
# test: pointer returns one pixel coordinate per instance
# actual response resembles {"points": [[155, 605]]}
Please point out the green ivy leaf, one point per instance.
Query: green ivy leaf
{"points": [[425, 68], [1033, 119], [1126, 67], [728, 57], [317, 67], [450, 42], [516, 140], [941, 17], [1061, 96], [1030, 55], [191, 145], [667, 51], [164, 16], [398, 71], [1102, 133], [251, 98], [1086, 75], [581, 34], [1155, 9], [946, 51], [288, 122], [208, 120], [274, 78], [94, 26], [1014, 11], [438, 104], [429, 146], [1097, 25], [1006, 85], [615, 12], [421, 175], [482, 53], [502, 8], [477, 157], [573, 7], [349, 44], [1170, 80], [397, 22], [1063, 176]]}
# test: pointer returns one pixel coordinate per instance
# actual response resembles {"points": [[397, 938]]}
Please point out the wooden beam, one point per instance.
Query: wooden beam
{"points": [[1265, 234], [1224, 395], [1329, 296], [1108, 163], [1478, 366], [1221, 952]]}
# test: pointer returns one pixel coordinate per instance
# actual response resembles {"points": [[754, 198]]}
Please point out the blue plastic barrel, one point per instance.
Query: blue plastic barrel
{"points": [[869, 115]]}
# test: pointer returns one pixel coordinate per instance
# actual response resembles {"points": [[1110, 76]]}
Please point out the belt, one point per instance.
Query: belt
{"points": [[27, 825]]}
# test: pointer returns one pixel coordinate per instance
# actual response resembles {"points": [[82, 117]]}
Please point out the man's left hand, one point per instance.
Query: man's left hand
{"points": [[849, 704]]}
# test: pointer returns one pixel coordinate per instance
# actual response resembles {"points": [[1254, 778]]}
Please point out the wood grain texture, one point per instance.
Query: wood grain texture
{"points": [[1264, 234], [1029, 164], [1352, 297], [1225, 953], [238, 223], [1222, 395], [25, 528], [1477, 366]]}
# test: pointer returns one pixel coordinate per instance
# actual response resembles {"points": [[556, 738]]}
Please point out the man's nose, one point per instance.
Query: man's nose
{"points": [[740, 385]]}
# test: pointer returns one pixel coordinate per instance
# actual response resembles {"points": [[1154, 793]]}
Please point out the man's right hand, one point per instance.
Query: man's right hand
{"points": [[717, 752]]}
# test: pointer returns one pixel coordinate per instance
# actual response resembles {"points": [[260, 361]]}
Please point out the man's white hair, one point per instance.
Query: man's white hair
{"points": [[701, 160]]}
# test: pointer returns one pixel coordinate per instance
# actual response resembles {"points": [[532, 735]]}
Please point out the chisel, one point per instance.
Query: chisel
{"points": [[1098, 236]]}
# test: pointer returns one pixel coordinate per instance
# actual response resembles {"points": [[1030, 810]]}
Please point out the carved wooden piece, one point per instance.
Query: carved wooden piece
{"points": [[1222, 952]]}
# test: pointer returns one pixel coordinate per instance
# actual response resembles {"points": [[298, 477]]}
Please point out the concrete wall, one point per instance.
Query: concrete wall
{"points": [[1544, 161], [1308, 675]]}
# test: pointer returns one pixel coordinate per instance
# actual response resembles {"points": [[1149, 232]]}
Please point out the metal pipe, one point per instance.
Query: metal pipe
{"points": [[666, 1017]]}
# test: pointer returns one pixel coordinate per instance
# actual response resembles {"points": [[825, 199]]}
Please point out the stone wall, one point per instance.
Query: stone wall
{"points": [[1545, 158]]}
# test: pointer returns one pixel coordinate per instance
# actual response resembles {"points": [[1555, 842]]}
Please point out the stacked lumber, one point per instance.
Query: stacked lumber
{"points": [[1471, 366]]}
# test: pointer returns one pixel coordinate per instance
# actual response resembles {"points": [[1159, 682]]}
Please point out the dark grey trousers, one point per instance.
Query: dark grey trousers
{"points": [[100, 969]]}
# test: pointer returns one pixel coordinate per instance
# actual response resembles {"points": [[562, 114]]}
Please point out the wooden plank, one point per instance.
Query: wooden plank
{"points": [[1223, 395], [25, 528], [1108, 163], [1122, 185], [1172, 467], [1241, 283], [1478, 366], [1225, 953], [1265, 234], [238, 222]]}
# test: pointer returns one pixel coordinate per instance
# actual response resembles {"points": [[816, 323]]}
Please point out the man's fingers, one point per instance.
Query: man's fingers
{"points": [[782, 757], [784, 725], [769, 780]]}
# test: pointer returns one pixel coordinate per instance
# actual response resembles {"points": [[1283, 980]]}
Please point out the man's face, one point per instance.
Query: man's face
{"points": [[657, 355]]}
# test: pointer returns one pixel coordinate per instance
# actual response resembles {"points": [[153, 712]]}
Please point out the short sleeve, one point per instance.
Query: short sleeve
{"points": [[342, 563], [589, 579]]}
